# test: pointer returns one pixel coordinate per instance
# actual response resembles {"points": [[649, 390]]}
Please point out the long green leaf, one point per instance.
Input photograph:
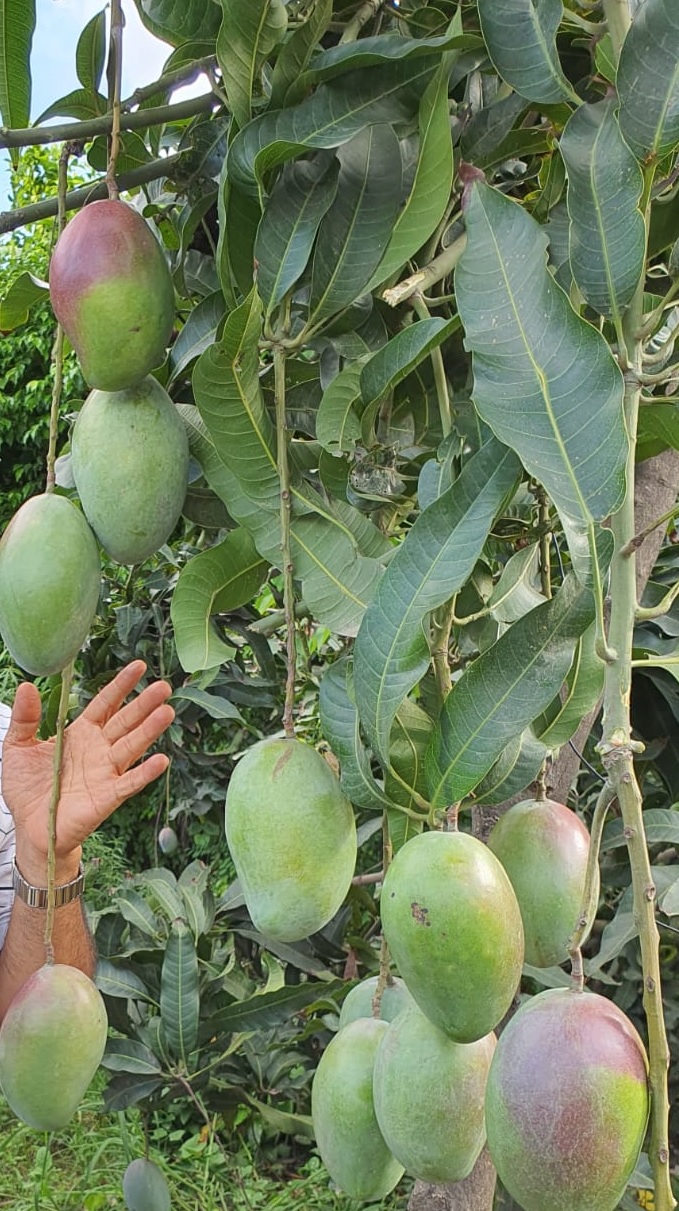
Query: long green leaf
{"points": [[214, 581], [268, 1010], [516, 767], [434, 561], [583, 689], [300, 198], [249, 32], [179, 996], [410, 738], [17, 26], [331, 116], [114, 980], [90, 52], [179, 21], [16, 304], [338, 423], [80, 104], [385, 48], [395, 360], [340, 726], [607, 229], [198, 333], [544, 379], [294, 56], [501, 693], [521, 40], [127, 1055], [648, 80]]}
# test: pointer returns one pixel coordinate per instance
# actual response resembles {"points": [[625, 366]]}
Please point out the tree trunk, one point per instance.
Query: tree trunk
{"points": [[656, 490]]}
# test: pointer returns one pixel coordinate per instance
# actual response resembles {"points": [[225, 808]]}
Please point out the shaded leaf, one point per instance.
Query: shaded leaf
{"points": [[214, 705], [517, 766], [16, 304], [338, 423], [583, 689], [137, 912], [294, 55], [389, 47], [281, 1120], [340, 726], [249, 31], [661, 826], [127, 1055], [268, 1010], [178, 21], [90, 52], [285, 236], [198, 333], [80, 104], [17, 26], [395, 360], [117, 981], [162, 885], [521, 40], [179, 997], [515, 593], [648, 80], [658, 429], [127, 1089]]}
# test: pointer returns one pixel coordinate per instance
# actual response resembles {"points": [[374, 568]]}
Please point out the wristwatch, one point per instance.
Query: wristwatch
{"points": [[36, 897]]}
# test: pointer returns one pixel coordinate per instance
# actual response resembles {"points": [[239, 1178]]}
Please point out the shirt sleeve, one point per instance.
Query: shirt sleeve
{"points": [[6, 841]]}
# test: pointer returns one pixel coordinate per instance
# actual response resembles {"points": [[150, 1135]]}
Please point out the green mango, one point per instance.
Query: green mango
{"points": [[349, 1140], [130, 457], [292, 837], [544, 848], [168, 841], [50, 577], [453, 927], [52, 1039], [112, 292], [567, 1102], [145, 1187], [358, 1003], [429, 1097]]}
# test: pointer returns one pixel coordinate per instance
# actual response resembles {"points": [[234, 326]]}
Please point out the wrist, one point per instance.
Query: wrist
{"points": [[33, 865]]}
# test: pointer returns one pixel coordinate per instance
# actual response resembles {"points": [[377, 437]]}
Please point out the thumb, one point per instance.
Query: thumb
{"points": [[26, 714]]}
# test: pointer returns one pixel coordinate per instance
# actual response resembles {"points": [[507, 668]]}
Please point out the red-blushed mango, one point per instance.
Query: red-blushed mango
{"points": [[358, 1003], [453, 926], [349, 1140], [292, 837], [544, 848], [52, 1039], [130, 457], [50, 577], [429, 1097], [112, 293], [567, 1103], [145, 1187]]}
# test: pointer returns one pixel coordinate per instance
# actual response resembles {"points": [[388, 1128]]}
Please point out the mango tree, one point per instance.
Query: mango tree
{"points": [[423, 259]]}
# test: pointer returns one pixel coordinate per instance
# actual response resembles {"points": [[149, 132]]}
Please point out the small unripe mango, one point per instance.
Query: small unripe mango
{"points": [[145, 1187], [358, 1003]]}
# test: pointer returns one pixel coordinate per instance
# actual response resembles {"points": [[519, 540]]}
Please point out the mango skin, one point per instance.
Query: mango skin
{"points": [[544, 848], [145, 1187], [358, 1002], [567, 1103], [52, 1039], [292, 837], [112, 292], [429, 1097], [453, 926], [348, 1137], [130, 457], [50, 577]]}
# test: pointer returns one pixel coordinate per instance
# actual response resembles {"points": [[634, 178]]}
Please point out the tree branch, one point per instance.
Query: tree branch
{"points": [[80, 132]]}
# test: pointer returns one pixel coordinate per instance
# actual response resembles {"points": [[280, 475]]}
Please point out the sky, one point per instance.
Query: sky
{"points": [[59, 23]]}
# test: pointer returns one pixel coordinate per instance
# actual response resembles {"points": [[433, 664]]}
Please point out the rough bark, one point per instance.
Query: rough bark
{"points": [[656, 490]]}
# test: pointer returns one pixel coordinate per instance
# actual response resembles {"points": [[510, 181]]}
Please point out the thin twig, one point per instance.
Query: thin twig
{"points": [[58, 347], [286, 545], [115, 69], [423, 280], [82, 132], [383, 978], [440, 381], [364, 14]]}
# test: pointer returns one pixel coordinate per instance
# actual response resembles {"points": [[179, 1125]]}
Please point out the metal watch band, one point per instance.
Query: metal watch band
{"points": [[36, 897]]}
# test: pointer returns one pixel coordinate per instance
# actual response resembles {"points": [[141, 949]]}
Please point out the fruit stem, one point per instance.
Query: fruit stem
{"points": [[114, 73], [363, 15], [440, 381], [590, 895], [286, 546], [66, 679], [58, 347], [384, 977]]}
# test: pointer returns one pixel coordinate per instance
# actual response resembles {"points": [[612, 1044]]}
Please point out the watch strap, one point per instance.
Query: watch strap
{"points": [[37, 897]]}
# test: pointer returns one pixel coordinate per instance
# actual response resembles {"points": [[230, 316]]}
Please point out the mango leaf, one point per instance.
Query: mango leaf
{"points": [[582, 690], [128, 1055], [384, 48], [505, 688], [239, 217], [17, 26], [178, 21], [162, 886], [114, 980], [133, 152], [658, 428], [300, 198], [517, 766], [249, 32], [127, 1089], [410, 737], [338, 424], [179, 996], [433, 562], [80, 104], [648, 80], [213, 582], [266, 1011], [203, 450], [395, 360], [340, 726], [430, 192], [607, 229], [357, 226], [489, 127], [281, 1120], [198, 333], [331, 116], [16, 304], [134, 909], [515, 593], [544, 379], [90, 52], [294, 55], [521, 40], [661, 826], [216, 706]]}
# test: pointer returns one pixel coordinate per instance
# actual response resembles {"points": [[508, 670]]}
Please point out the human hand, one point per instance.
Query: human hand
{"points": [[98, 773]]}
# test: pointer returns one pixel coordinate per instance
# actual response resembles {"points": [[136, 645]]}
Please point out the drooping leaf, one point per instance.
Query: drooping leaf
{"points": [[134, 909], [433, 562], [215, 705], [128, 1055], [162, 886], [16, 304], [282, 1120], [239, 217], [17, 26], [410, 737], [115, 980], [395, 360], [249, 31], [338, 423], [489, 127], [340, 726], [661, 826], [544, 379], [607, 229], [179, 996], [330, 117], [286, 84], [385, 48], [583, 689], [357, 226], [515, 593], [178, 21], [79, 104], [90, 52], [267, 1010], [300, 198], [521, 40], [648, 80], [215, 581], [127, 1089], [505, 688], [198, 333], [517, 766]]}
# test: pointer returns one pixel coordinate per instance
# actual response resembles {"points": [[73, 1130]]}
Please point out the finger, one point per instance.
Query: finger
{"points": [[26, 714], [131, 716], [136, 779], [134, 744], [108, 700]]}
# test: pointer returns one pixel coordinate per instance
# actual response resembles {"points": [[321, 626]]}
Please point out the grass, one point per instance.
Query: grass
{"points": [[81, 1169]]}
